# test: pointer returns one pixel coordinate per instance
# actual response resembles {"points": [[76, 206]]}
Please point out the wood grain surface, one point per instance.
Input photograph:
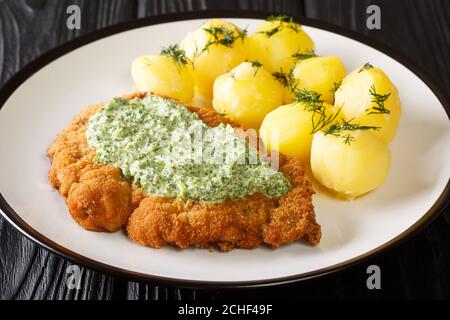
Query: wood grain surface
{"points": [[419, 29]]}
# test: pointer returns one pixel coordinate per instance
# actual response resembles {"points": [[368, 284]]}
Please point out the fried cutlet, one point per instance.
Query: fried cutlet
{"points": [[99, 198]]}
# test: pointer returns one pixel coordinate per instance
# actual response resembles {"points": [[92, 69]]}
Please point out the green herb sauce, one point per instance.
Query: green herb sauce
{"points": [[168, 151]]}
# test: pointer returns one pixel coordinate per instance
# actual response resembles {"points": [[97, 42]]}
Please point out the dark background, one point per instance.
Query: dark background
{"points": [[419, 29]]}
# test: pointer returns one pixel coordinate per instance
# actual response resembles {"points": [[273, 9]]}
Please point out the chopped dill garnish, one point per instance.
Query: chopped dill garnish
{"points": [[281, 77], [311, 99], [320, 119], [337, 128], [304, 55], [283, 22], [336, 86], [272, 31], [313, 103], [287, 80], [340, 130], [242, 33], [255, 65], [348, 138], [176, 53], [366, 66], [280, 17], [223, 36], [379, 100]]}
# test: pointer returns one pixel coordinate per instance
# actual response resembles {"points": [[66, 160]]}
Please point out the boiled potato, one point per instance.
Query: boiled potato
{"points": [[319, 74], [164, 76], [215, 48], [276, 41], [353, 168], [368, 96], [246, 94], [288, 129]]}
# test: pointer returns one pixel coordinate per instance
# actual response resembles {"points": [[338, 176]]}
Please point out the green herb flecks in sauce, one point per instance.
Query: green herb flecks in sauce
{"points": [[155, 142]]}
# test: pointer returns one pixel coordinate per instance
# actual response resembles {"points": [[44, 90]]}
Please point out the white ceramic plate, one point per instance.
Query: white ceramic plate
{"points": [[42, 99]]}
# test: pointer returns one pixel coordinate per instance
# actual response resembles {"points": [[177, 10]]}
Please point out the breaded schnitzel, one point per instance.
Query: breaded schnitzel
{"points": [[99, 198]]}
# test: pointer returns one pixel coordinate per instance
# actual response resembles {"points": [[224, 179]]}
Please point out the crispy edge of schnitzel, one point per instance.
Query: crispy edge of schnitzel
{"points": [[99, 198]]}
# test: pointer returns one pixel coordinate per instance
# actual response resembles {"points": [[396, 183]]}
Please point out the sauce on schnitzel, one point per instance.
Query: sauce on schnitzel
{"points": [[168, 150]]}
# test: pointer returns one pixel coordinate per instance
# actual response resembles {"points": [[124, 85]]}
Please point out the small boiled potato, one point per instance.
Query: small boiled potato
{"points": [[275, 50], [351, 169], [319, 74], [211, 58], [163, 76], [357, 95], [246, 94], [288, 129]]}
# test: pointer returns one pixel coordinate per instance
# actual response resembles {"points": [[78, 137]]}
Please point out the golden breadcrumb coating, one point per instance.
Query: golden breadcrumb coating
{"points": [[99, 198]]}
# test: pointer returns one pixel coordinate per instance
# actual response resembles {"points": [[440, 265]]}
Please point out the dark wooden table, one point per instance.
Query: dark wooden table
{"points": [[419, 29]]}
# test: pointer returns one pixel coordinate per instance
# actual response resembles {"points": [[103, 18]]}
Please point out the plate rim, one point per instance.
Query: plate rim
{"points": [[35, 65]]}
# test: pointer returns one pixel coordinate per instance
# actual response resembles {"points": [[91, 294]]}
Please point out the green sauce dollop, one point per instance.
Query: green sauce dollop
{"points": [[155, 142]]}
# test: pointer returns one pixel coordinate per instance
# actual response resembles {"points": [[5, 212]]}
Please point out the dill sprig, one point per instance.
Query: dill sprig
{"points": [[283, 22], [223, 36], [313, 103], [336, 86], [341, 130], [255, 65], [304, 55], [271, 32], [287, 80], [280, 17], [321, 119], [348, 138], [379, 100], [366, 66], [311, 99], [176, 53], [337, 128]]}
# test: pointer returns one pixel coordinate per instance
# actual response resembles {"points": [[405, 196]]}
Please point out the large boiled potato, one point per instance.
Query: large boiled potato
{"points": [[215, 48], [368, 96], [164, 76], [276, 41], [319, 74], [246, 94], [289, 129], [353, 168]]}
